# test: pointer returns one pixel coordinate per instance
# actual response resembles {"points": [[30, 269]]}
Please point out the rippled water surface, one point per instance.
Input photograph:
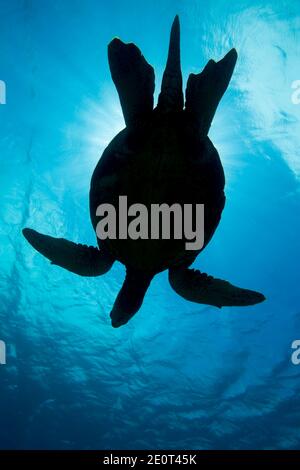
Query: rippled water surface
{"points": [[179, 375]]}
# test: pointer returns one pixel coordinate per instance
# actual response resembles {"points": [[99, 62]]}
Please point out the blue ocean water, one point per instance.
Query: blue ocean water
{"points": [[179, 375]]}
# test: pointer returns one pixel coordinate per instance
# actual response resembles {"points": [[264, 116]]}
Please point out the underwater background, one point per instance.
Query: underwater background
{"points": [[178, 375]]}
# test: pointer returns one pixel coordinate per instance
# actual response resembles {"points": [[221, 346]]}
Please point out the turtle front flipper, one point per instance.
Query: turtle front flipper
{"points": [[203, 289], [130, 297], [79, 259], [134, 80]]}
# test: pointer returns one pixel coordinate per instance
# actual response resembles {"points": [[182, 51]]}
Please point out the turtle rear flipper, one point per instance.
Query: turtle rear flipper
{"points": [[130, 297], [134, 80], [79, 259], [203, 289], [205, 90]]}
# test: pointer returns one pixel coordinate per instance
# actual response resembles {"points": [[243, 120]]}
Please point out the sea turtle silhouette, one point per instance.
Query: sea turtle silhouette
{"points": [[163, 155]]}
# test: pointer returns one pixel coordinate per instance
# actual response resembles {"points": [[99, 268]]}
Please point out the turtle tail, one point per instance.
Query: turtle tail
{"points": [[171, 96], [79, 259]]}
